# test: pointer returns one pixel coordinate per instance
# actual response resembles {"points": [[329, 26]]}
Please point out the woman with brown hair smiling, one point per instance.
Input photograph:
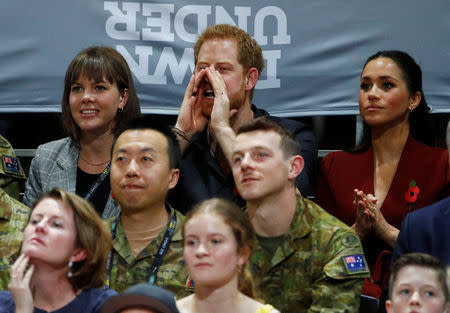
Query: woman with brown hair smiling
{"points": [[99, 96]]}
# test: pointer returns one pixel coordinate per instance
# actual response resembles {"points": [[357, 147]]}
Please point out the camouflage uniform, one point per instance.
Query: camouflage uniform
{"points": [[128, 270], [13, 219], [320, 267], [11, 172], [13, 214]]}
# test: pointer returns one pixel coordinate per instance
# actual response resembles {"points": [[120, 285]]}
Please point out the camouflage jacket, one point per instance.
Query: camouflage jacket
{"points": [[13, 219], [320, 267], [11, 172], [128, 270]]}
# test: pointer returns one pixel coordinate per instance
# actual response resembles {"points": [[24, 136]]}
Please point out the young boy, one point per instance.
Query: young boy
{"points": [[417, 284]]}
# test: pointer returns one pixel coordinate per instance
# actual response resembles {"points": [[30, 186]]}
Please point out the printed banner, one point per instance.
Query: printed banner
{"points": [[314, 50]]}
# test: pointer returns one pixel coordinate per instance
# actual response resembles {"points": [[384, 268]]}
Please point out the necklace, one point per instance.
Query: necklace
{"points": [[93, 164]]}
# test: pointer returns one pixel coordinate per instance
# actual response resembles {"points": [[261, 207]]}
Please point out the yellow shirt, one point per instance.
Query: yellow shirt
{"points": [[265, 309]]}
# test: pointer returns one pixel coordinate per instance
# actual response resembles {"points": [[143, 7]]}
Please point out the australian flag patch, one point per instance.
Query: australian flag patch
{"points": [[12, 166], [354, 263]]}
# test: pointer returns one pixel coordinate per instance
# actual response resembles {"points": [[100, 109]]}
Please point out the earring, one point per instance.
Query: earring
{"points": [[69, 273], [119, 110]]}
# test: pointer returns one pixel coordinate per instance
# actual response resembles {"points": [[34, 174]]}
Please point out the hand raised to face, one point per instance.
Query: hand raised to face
{"points": [[190, 118], [19, 285]]}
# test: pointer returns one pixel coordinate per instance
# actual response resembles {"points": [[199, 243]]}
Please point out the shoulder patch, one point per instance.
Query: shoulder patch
{"points": [[354, 263], [11, 166], [351, 241]]}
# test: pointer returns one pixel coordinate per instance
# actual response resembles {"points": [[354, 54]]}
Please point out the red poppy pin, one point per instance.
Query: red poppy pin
{"points": [[412, 193]]}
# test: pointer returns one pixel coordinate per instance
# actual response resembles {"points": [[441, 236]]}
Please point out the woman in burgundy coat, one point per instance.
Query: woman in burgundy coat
{"points": [[395, 170]]}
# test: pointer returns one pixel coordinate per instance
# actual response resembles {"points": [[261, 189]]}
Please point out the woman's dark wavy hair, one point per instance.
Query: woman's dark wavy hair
{"points": [[98, 63], [420, 124]]}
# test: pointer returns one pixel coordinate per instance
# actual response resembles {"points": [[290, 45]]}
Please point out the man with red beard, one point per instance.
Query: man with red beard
{"points": [[228, 63]]}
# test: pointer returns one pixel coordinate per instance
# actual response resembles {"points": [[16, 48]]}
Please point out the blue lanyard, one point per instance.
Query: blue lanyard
{"points": [[163, 248]]}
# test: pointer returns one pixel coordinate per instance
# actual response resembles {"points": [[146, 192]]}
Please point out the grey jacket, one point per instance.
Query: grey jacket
{"points": [[55, 165]]}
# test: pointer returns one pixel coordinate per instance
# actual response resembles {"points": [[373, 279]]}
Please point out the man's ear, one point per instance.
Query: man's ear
{"points": [[251, 79], [296, 166], [174, 176]]}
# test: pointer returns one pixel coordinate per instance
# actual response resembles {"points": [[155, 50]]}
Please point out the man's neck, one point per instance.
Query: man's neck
{"points": [[244, 114], [272, 216], [148, 222]]}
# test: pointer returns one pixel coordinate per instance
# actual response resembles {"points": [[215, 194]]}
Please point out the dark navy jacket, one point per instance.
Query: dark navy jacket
{"points": [[426, 230], [201, 177]]}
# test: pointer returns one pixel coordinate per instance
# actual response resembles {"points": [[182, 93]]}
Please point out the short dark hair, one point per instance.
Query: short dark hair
{"points": [[98, 63], [423, 260], [173, 148], [421, 126], [92, 235], [249, 53], [289, 144]]}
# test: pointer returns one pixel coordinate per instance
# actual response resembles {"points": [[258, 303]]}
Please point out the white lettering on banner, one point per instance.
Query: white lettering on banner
{"points": [[140, 70], [163, 22], [201, 11], [271, 67], [178, 70], [222, 16], [167, 60], [282, 38], [118, 18], [157, 27]]}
